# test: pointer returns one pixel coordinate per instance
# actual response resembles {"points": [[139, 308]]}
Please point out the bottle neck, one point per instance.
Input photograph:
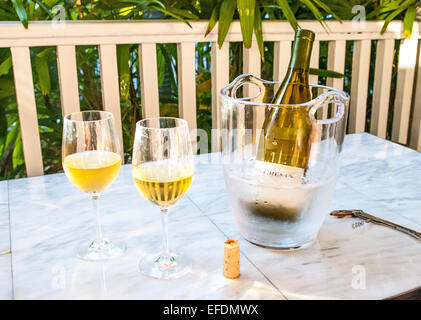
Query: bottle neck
{"points": [[301, 53]]}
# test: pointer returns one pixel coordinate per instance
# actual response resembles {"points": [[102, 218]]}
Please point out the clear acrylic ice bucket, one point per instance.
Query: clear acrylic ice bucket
{"points": [[279, 212]]}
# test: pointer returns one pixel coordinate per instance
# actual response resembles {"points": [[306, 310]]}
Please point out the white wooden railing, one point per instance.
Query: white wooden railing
{"points": [[107, 34]]}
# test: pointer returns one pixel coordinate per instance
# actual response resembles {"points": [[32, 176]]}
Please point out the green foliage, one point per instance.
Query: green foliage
{"points": [[225, 18], [246, 10], [250, 13], [20, 11], [391, 9]]}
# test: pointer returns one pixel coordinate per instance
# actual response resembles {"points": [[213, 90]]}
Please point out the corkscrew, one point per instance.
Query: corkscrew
{"points": [[370, 218]]}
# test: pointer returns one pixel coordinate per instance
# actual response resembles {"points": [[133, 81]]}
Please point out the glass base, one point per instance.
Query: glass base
{"points": [[173, 266], [283, 246], [94, 250]]}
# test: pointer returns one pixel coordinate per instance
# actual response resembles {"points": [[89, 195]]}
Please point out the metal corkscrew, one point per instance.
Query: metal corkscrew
{"points": [[370, 218]]}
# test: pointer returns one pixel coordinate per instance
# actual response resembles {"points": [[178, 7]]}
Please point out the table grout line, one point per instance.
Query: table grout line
{"points": [[242, 252], [251, 262]]}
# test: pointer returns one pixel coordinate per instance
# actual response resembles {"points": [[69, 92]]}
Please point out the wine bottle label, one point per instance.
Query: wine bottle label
{"points": [[276, 172]]}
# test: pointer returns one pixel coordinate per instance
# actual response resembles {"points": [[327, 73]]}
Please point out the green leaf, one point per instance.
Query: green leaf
{"points": [[207, 6], [20, 11], [160, 62], [326, 73], [18, 158], [246, 9], [31, 9], [85, 58], [7, 92], [317, 14], [182, 13], [326, 8], [259, 33], [408, 20], [387, 6], [41, 67], [213, 19], [5, 66], [50, 3], [289, 15], [3, 127], [10, 140], [390, 17], [123, 54], [42, 6], [44, 53], [270, 11], [6, 16], [226, 14], [141, 4], [171, 14]]}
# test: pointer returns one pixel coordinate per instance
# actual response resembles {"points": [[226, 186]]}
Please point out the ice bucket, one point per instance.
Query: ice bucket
{"points": [[279, 211]]}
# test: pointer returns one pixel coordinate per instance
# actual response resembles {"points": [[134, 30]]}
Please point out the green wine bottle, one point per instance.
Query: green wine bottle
{"points": [[286, 138]]}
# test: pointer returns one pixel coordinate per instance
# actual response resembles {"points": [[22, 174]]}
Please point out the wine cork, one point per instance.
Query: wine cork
{"points": [[231, 259]]}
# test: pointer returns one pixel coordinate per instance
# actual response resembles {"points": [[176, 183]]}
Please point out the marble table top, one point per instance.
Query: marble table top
{"points": [[42, 218]]}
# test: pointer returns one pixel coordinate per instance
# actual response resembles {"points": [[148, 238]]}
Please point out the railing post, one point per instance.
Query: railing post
{"points": [[381, 88], [187, 85], [415, 133], [27, 110], [335, 62], [220, 79], [252, 64], [359, 85], [314, 61], [404, 87], [110, 87], [281, 57], [148, 80], [67, 78]]}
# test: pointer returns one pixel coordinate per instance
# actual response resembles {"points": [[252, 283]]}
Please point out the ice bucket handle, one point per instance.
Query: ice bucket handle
{"points": [[249, 79], [327, 98]]}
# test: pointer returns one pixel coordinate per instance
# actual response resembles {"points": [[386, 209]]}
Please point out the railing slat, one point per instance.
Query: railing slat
{"points": [[220, 79], [314, 61], [149, 80], [251, 60], [187, 84], [281, 56], [110, 86], [252, 64], [67, 78], [27, 110], [415, 136], [335, 62], [404, 86], [359, 85], [381, 88]]}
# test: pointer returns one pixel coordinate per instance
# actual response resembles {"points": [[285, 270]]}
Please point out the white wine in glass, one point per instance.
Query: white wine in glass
{"points": [[92, 171], [92, 161], [162, 182], [162, 171]]}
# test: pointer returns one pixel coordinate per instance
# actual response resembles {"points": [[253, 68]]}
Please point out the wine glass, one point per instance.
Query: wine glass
{"points": [[92, 161], [162, 169]]}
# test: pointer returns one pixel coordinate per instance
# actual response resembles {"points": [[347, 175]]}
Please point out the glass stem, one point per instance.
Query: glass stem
{"points": [[164, 259], [95, 202]]}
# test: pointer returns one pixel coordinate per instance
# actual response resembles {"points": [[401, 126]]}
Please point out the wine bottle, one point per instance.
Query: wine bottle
{"points": [[286, 138]]}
